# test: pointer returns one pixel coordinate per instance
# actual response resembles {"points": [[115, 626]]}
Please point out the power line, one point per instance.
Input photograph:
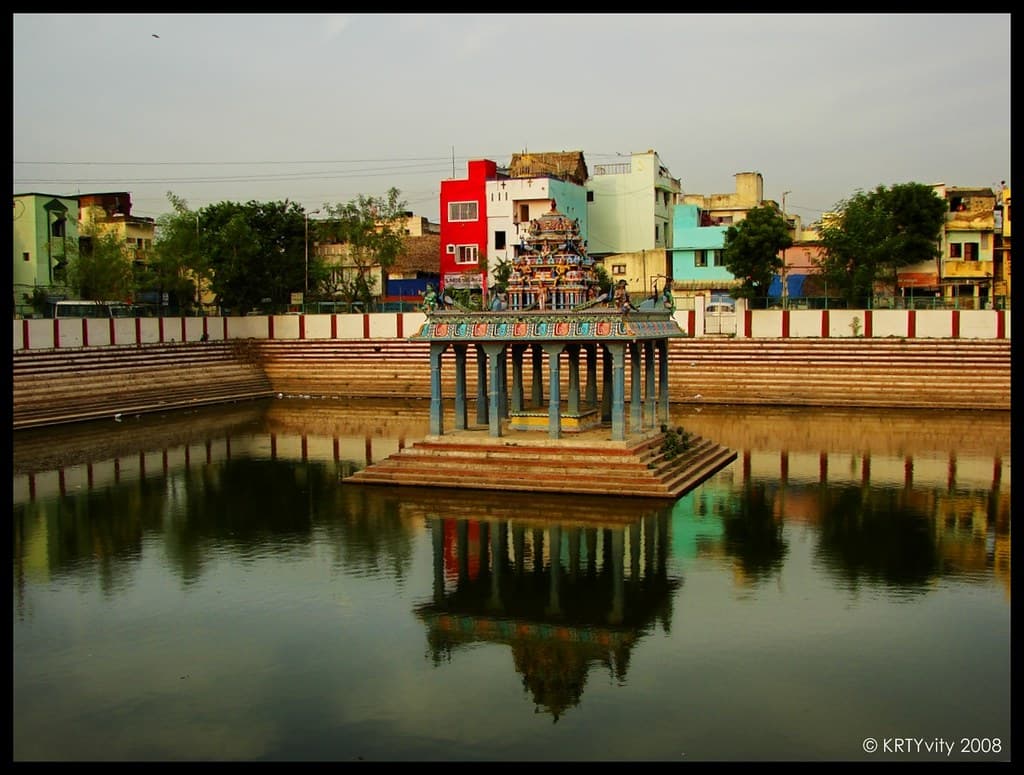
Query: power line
{"points": [[226, 163]]}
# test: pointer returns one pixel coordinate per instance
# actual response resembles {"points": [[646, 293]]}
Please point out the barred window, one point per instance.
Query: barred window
{"points": [[462, 211]]}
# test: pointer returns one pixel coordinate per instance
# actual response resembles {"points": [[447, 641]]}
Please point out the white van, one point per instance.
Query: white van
{"points": [[82, 308]]}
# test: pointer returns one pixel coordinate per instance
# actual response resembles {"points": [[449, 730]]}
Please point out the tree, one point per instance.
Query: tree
{"points": [[873, 234], [371, 230], [101, 268], [751, 250], [255, 253], [603, 279], [178, 266]]}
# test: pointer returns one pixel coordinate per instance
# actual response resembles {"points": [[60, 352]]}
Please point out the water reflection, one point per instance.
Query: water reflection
{"points": [[557, 589], [564, 587]]}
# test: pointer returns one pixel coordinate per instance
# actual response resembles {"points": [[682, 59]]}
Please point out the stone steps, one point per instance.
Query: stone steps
{"points": [[60, 386], [968, 373], [638, 469]]}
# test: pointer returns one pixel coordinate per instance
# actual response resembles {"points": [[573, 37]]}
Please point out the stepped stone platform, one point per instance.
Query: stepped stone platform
{"points": [[587, 463]]}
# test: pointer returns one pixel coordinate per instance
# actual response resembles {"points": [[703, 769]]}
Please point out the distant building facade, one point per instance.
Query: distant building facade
{"points": [[964, 269], [45, 239]]}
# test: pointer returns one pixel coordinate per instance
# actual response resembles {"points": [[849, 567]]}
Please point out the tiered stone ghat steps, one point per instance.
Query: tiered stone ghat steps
{"points": [[528, 462], [925, 373], [59, 386], [66, 385], [946, 373]]}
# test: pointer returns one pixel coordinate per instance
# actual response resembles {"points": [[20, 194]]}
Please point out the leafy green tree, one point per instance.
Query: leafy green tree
{"points": [[603, 279], [101, 268], [873, 234], [255, 253], [502, 271], [751, 250], [371, 229], [178, 266]]}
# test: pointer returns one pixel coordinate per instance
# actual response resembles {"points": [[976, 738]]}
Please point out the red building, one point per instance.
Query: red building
{"points": [[464, 228]]}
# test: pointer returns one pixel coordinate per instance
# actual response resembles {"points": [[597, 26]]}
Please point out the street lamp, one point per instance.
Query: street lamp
{"points": [[306, 246]]}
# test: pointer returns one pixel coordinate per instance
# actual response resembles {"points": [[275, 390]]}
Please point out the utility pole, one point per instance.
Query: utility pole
{"points": [[785, 293], [306, 286]]}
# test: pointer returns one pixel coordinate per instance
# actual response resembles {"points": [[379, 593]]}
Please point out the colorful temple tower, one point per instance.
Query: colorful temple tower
{"points": [[551, 269]]}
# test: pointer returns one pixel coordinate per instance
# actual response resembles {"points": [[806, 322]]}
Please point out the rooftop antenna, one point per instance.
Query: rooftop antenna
{"points": [[453, 161]]}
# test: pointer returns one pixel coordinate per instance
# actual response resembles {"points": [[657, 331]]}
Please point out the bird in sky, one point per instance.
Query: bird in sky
{"points": [[155, 35]]}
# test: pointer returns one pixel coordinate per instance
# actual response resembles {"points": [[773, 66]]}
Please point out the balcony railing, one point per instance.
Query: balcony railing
{"points": [[613, 169]]}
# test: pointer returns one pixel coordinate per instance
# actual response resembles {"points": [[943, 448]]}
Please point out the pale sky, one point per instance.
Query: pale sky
{"points": [[320, 108]]}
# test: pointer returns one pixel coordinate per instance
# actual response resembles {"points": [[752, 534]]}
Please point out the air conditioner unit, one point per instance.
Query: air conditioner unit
{"points": [[450, 249]]}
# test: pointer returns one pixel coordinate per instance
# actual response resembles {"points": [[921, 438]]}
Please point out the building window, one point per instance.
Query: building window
{"points": [[462, 211], [700, 258], [717, 259], [618, 268], [590, 196], [465, 254], [955, 250], [656, 232], [524, 213], [59, 228], [499, 240], [970, 251], [26, 257]]}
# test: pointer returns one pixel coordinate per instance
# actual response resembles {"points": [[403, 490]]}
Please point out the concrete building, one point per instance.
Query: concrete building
{"points": [[45, 239], [963, 274], [696, 253], [630, 206], [1001, 253], [49, 230], [464, 236], [483, 215]]}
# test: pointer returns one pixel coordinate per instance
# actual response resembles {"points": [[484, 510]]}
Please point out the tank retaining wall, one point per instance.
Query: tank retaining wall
{"points": [[68, 385]]}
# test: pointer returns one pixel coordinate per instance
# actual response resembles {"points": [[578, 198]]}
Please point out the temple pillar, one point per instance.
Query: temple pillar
{"points": [[517, 376], [554, 351], [495, 354], [481, 386], [574, 379], [618, 398], [537, 397], [460, 386], [606, 385], [635, 383], [650, 395], [436, 399], [591, 396], [503, 393]]}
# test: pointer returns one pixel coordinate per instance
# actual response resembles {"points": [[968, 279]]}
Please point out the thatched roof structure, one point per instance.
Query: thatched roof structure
{"points": [[422, 255], [564, 165]]}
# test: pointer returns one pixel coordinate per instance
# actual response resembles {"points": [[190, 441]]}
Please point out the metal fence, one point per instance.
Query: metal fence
{"points": [[882, 302]]}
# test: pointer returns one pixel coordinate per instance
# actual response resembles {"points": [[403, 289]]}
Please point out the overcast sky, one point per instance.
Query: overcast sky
{"points": [[320, 108]]}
